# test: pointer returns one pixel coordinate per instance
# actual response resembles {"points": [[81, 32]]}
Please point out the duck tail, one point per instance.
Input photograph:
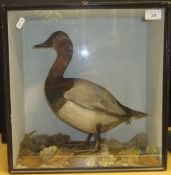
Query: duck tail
{"points": [[138, 114]]}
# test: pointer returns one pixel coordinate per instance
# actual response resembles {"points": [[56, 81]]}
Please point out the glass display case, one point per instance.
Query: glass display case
{"points": [[86, 85]]}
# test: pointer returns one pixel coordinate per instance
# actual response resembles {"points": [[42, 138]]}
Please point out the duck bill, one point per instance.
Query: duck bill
{"points": [[42, 45]]}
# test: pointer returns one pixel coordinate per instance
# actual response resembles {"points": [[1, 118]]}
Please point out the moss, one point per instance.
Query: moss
{"points": [[152, 150], [35, 143], [140, 141]]}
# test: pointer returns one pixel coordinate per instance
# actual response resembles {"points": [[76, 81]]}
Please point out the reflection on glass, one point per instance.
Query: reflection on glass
{"points": [[85, 52]]}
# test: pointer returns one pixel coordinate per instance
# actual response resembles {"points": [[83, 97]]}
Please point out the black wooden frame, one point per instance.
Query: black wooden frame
{"points": [[76, 4], [2, 111]]}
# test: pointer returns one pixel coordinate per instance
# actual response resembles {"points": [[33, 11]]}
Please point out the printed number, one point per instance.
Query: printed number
{"points": [[153, 14], [20, 23]]}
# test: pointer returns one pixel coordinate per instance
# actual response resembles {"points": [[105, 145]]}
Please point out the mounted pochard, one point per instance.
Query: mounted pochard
{"points": [[82, 104]]}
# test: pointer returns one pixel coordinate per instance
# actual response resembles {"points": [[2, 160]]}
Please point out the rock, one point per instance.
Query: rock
{"points": [[115, 146], [91, 162], [152, 150], [138, 141], [55, 157], [108, 161], [48, 152], [129, 156]]}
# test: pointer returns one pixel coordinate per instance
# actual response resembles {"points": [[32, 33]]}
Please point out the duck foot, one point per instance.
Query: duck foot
{"points": [[85, 152], [97, 145], [78, 144], [95, 149]]}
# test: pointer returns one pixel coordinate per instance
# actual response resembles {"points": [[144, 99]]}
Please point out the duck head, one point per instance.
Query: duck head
{"points": [[59, 41]]}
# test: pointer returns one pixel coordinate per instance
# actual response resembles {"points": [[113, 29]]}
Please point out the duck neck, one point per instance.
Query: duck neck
{"points": [[59, 66]]}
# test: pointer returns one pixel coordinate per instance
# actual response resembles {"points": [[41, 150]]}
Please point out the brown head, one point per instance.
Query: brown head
{"points": [[59, 41]]}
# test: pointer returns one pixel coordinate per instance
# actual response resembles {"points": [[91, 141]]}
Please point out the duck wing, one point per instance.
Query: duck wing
{"points": [[94, 97]]}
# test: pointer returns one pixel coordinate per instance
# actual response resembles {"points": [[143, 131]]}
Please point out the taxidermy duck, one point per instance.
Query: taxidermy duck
{"points": [[80, 103]]}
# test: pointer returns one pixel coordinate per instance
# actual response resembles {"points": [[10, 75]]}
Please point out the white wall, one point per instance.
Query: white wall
{"points": [[16, 84], [155, 81]]}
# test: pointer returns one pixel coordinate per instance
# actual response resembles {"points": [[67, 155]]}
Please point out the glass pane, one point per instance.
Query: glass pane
{"points": [[79, 73]]}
